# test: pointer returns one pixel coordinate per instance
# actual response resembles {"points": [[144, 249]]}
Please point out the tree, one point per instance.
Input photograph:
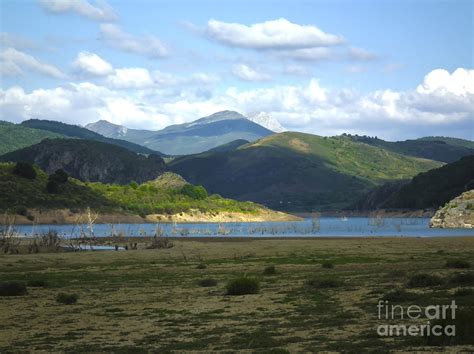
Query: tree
{"points": [[25, 169]]}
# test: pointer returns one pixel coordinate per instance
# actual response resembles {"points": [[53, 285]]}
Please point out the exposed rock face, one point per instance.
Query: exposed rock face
{"points": [[458, 213], [91, 161]]}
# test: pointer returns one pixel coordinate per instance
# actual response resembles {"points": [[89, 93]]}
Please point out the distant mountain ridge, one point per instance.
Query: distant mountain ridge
{"points": [[189, 138], [75, 131], [433, 148], [15, 136], [90, 161]]}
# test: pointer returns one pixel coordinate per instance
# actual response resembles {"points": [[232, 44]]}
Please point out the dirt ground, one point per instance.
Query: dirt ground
{"points": [[149, 300]]}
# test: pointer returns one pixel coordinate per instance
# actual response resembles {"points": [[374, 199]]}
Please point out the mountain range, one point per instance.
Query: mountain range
{"points": [[188, 138]]}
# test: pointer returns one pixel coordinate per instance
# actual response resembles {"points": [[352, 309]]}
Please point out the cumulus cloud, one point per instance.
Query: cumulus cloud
{"points": [[13, 62], [147, 45], [247, 73], [91, 63], [130, 78], [277, 34], [442, 104], [102, 11]]}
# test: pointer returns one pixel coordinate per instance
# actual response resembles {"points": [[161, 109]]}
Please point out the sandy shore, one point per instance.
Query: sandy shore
{"points": [[66, 216]]}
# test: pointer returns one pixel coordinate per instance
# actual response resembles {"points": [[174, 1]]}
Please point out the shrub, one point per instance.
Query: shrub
{"points": [[21, 210], [463, 278], [161, 242], [464, 292], [67, 299], [25, 170], [207, 282], [323, 283], [194, 192], [424, 280], [270, 270], [60, 176], [399, 295], [134, 185], [13, 288], [458, 263], [201, 266], [242, 286], [37, 283], [327, 265], [52, 187]]}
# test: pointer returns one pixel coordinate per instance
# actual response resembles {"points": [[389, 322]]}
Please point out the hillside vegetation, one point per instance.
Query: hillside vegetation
{"points": [[433, 148], [90, 161], [296, 171], [18, 193], [14, 136], [75, 131]]}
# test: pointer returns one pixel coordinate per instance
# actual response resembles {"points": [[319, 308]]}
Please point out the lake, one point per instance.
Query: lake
{"points": [[321, 227]]}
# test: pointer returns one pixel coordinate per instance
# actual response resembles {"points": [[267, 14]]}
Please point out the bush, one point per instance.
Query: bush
{"points": [[423, 280], [60, 176], [208, 282], [458, 263], [13, 288], [52, 187], [24, 169], [242, 286], [21, 210], [327, 265], [67, 299], [463, 278], [37, 283], [194, 192], [323, 283], [134, 185], [270, 270], [399, 295], [201, 266]]}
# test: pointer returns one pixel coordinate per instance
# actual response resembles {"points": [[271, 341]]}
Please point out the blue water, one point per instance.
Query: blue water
{"points": [[322, 227]]}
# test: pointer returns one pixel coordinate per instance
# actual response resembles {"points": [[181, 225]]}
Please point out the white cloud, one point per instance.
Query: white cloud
{"points": [[15, 41], [247, 73], [361, 54], [102, 11], [91, 63], [310, 54], [276, 34], [297, 70], [130, 78], [441, 105], [13, 62], [148, 45]]}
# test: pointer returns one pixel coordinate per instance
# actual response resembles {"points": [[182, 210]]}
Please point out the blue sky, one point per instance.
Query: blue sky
{"points": [[396, 69]]}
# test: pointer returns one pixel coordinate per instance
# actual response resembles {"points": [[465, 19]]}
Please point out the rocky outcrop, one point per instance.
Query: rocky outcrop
{"points": [[90, 161], [458, 213]]}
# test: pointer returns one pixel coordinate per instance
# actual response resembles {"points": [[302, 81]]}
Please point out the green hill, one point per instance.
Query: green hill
{"points": [[18, 193], [89, 160], [75, 131], [14, 136], [433, 148], [434, 188], [299, 172]]}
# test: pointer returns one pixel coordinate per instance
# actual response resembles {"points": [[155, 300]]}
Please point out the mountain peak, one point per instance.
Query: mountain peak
{"points": [[265, 120]]}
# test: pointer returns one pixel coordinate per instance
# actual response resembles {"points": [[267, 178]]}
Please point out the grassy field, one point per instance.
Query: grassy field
{"points": [[321, 295]]}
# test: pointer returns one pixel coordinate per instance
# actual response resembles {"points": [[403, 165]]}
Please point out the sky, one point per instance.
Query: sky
{"points": [[393, 69]]}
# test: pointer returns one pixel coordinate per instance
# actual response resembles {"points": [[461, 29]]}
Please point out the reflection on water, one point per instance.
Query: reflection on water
{"points": [[324, 226]]}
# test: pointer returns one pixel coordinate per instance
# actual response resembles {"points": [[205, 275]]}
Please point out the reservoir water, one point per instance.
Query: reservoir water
{"points": [[321, 227]]}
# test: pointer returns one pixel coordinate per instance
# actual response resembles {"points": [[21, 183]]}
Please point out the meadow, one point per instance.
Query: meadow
{"points": [[300, 295]]}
